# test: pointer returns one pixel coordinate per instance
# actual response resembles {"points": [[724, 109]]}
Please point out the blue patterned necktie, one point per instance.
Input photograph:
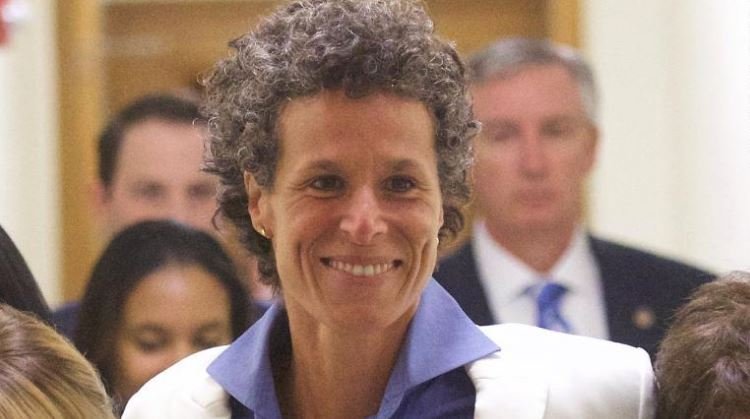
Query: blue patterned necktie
{"points": [[548, 301]]}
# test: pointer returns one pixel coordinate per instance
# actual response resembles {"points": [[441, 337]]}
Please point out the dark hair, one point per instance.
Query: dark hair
{"points": [[160, 106], [703, 363], [358, 46], [133, 254], [17, 285], [509, 56]]}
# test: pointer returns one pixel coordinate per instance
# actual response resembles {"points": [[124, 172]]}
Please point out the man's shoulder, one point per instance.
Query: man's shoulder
{"points": [[462, 254], [539, 373], [619, 257], [619, 251], [183, 390]]}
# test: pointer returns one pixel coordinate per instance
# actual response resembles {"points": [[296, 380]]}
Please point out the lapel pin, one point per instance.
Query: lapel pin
{"points": [[644, 318]]}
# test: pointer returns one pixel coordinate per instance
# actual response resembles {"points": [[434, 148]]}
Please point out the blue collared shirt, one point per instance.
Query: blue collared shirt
{"points": [[428, 380]]}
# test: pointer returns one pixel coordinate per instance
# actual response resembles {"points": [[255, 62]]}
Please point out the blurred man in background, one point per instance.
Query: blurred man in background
{"points": [[530, 259], [150, 159]]}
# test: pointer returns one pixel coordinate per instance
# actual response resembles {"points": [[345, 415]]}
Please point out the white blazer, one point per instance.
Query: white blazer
{"points": [[537, 374]]}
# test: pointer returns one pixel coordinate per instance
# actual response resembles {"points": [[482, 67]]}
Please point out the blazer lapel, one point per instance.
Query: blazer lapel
{"points": [[506, 389]]}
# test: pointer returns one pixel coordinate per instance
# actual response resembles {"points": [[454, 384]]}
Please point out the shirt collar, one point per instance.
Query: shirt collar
{"points": [[504, 276], [507, 278], [440, 338], [244, 369], [576, 268]]}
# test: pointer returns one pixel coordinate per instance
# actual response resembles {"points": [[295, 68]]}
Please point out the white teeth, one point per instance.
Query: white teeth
{"points": [[361, 270]]}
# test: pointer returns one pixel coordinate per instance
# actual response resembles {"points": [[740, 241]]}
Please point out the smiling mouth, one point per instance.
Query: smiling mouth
{"points": [[361, 270]]}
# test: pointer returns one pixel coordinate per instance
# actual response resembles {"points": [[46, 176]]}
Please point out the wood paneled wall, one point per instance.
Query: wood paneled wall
{"points": [[80, 89], [114, 52]]}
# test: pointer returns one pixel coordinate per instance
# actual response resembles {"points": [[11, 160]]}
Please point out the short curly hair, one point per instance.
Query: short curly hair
{"points": [[357, 46], [703, 364]]}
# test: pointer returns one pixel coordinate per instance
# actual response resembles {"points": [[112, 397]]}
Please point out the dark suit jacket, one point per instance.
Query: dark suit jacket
{"points": [[638, 286]]}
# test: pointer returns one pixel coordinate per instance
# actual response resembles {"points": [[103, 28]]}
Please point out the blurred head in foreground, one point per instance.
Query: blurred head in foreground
{"points": [[703, 364], [42, 376], [17, 285]]}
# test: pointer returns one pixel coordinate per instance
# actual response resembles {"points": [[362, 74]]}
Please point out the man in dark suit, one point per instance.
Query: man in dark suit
{"points": [[530, 259]]}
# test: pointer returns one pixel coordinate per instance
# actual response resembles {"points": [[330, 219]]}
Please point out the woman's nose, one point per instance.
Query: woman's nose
{"points": [[363, 220]]}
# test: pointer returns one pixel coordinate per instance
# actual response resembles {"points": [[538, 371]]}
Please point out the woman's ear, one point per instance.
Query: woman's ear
{"points": [[257, 204]]}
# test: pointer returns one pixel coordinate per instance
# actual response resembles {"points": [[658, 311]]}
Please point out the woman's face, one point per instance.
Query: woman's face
{"points": [[172, 312], [355, 209]]}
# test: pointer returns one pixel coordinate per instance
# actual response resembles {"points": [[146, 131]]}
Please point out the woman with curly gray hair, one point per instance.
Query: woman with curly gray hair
{"points": [[341, 132]]}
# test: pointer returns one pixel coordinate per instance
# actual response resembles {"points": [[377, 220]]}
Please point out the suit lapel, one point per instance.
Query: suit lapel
{"points": [[618, 295], [458, 274]]}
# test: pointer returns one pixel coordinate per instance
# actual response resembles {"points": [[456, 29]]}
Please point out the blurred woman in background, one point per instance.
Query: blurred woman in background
{"points": [[17, 286], [42, 376], [159, 292]]}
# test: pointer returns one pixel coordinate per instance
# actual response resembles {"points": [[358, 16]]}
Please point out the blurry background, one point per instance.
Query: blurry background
{"points": [[674, 163]]}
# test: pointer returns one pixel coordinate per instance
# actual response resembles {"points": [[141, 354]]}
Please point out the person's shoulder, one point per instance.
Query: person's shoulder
{"points": [[183, 390], [624, 255], [461, 253], [65, 318], [456, 264], [562, 375], [549, 346]]}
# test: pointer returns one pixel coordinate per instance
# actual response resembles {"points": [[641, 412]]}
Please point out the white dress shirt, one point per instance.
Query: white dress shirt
{"points": [[506, 279]]}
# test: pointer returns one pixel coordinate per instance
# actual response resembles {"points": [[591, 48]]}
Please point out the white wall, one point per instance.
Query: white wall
{"points": [[674, 168], [28, 144]]}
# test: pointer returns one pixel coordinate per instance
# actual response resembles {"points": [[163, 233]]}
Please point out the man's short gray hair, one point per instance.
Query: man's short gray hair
{"points": [[507, 57]]}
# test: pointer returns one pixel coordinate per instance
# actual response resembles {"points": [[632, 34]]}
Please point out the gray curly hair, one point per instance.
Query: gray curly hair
{"points": [[358, 46]]}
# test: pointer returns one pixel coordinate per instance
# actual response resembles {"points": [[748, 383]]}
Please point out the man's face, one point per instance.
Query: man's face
{"points": [[536, 149], [157, 175]]}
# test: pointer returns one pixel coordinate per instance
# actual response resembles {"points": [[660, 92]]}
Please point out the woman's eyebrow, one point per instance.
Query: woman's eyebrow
{"points": [[146, 327], [322, 165]]}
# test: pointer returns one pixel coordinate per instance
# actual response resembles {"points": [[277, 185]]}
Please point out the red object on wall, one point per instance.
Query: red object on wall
{"points": [[3, 23]]}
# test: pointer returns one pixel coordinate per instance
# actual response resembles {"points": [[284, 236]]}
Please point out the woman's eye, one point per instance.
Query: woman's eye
{"points": [[327, 183], [400, 184], [149, 345]]}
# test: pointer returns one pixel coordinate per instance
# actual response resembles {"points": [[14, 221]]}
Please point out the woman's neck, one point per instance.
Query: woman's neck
{"points": [[336, 374]]}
